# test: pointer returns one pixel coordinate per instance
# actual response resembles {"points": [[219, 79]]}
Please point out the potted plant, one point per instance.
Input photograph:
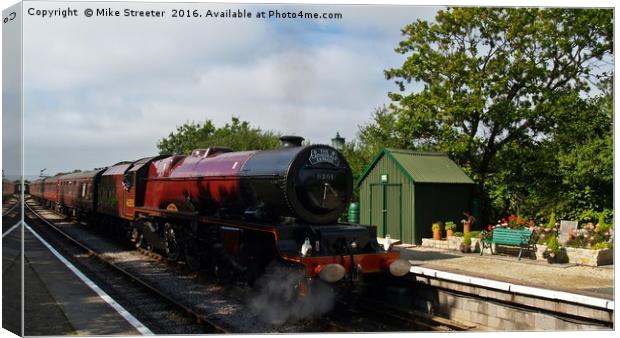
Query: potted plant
{"points": [[554, 252], [436, 230], [450, 226], [467, 222], [466, 246]]}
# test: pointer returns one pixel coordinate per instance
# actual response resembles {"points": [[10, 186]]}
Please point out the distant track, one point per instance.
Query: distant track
{"points": [[4, 213]]}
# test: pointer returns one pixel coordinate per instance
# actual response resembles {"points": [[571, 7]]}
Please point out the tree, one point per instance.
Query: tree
{"points": [[238, 135], [490, 82]]}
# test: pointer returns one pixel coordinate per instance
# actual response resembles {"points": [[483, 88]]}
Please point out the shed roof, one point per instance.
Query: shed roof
{"points": [[422, 167]]}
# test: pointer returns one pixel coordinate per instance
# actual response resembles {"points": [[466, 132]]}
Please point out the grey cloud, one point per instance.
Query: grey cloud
{"points": [[108, 92]]}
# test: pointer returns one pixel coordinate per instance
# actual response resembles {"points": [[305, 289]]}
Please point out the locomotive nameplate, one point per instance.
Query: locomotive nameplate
{"points": [[130, 203], [324, 155], [172, 207]]}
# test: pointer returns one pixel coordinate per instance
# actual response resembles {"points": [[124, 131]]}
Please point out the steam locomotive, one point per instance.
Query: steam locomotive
{"points": [[233, 212]]}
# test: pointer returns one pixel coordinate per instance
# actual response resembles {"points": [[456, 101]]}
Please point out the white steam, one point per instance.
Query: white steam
{"points": [[278, 301]]}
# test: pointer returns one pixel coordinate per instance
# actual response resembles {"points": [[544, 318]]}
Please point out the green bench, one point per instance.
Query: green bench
{"points": [[523, 238]]}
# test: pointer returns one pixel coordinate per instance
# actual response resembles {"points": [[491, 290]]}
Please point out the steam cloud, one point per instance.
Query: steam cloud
{"points": [[277, 301]]}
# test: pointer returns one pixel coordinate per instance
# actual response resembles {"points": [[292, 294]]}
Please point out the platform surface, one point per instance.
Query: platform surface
{"points": [[582, 280], [59, 303]]}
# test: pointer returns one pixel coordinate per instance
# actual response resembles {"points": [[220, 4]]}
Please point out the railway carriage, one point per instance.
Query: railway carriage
{"points": [[8, 189], [77, 192], [50, 191]]}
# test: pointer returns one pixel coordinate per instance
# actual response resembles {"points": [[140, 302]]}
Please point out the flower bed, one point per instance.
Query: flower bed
{"points": [[580, 256], [591, 244]]}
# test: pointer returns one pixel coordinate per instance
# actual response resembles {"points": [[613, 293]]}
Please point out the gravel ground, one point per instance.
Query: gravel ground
{"points": [[566, 277], [11, 214]]}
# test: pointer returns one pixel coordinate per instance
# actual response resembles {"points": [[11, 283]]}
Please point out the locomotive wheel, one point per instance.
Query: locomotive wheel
{"points": [[223, 272], [139, 241], [249, 259], [134, 236], [173, 249]]}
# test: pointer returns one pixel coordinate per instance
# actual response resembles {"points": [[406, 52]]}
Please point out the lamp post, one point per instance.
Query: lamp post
{"points": [[338, 141]]}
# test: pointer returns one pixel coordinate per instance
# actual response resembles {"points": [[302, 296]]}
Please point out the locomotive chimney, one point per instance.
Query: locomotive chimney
{"points": [[291, 141]]}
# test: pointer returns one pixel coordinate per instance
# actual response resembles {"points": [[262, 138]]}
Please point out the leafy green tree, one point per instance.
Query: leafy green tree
{"points": [[489, 84], [237, 134]]}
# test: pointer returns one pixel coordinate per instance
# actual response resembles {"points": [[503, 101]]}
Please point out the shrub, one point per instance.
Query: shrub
{"points": [[551, 224], [553, 244], [602, 245], [578, 242], [591, 215], [467, 238], [450, 226], [458, 234], [474, 234], [436, 226], [602, 226]]}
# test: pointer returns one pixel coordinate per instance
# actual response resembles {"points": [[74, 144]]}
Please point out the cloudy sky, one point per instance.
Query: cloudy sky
{"points": [[100, 90]]}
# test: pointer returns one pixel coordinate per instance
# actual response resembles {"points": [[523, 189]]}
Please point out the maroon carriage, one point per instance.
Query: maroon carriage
{"points": [[77, 191], [50, 190]]}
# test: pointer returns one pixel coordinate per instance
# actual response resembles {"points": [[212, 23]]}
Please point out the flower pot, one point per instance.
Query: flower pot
{"points": [[437, 235], [465, 248], [466, 227], [449, 233]]}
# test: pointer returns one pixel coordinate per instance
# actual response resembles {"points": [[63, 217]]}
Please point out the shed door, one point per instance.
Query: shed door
{"points": [[385, 210], [393, 214], [376, 208]]}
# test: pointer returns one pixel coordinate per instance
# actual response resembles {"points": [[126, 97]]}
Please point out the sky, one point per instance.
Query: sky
{"points": [[101, 90]]}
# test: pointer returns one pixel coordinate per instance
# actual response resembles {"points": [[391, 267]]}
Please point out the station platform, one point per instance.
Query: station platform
{"points": [[58, 302], [505, 270]]}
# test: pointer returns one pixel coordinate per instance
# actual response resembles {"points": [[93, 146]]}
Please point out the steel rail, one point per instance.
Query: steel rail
{"points": [[200, 318], [431, 322], [4, 213]]}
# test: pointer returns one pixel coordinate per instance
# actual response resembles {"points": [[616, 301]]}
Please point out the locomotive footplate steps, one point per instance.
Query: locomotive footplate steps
{"points": [[85, 309]]}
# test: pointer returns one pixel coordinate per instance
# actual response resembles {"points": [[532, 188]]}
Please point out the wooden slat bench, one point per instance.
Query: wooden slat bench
{"points": [[523, 238]]}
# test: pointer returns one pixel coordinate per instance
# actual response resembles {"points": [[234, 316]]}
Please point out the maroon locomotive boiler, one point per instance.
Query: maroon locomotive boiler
{"points": [[235, 211]]}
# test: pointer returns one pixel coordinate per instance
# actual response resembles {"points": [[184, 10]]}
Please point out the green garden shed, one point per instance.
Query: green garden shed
{"points": [[403, 192]]}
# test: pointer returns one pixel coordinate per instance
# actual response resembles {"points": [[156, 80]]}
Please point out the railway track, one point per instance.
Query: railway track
{"points": [[367, 316], [370, 315], [413, 318], [197, 323], [10, 209]]}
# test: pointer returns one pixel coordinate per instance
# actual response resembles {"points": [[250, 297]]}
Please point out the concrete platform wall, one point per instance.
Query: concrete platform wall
{"points": [[505, 311]]}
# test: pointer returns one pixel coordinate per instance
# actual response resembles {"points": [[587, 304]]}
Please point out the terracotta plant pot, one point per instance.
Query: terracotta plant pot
{"points": [[437, 235], [449, 233], [466, 227]]}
